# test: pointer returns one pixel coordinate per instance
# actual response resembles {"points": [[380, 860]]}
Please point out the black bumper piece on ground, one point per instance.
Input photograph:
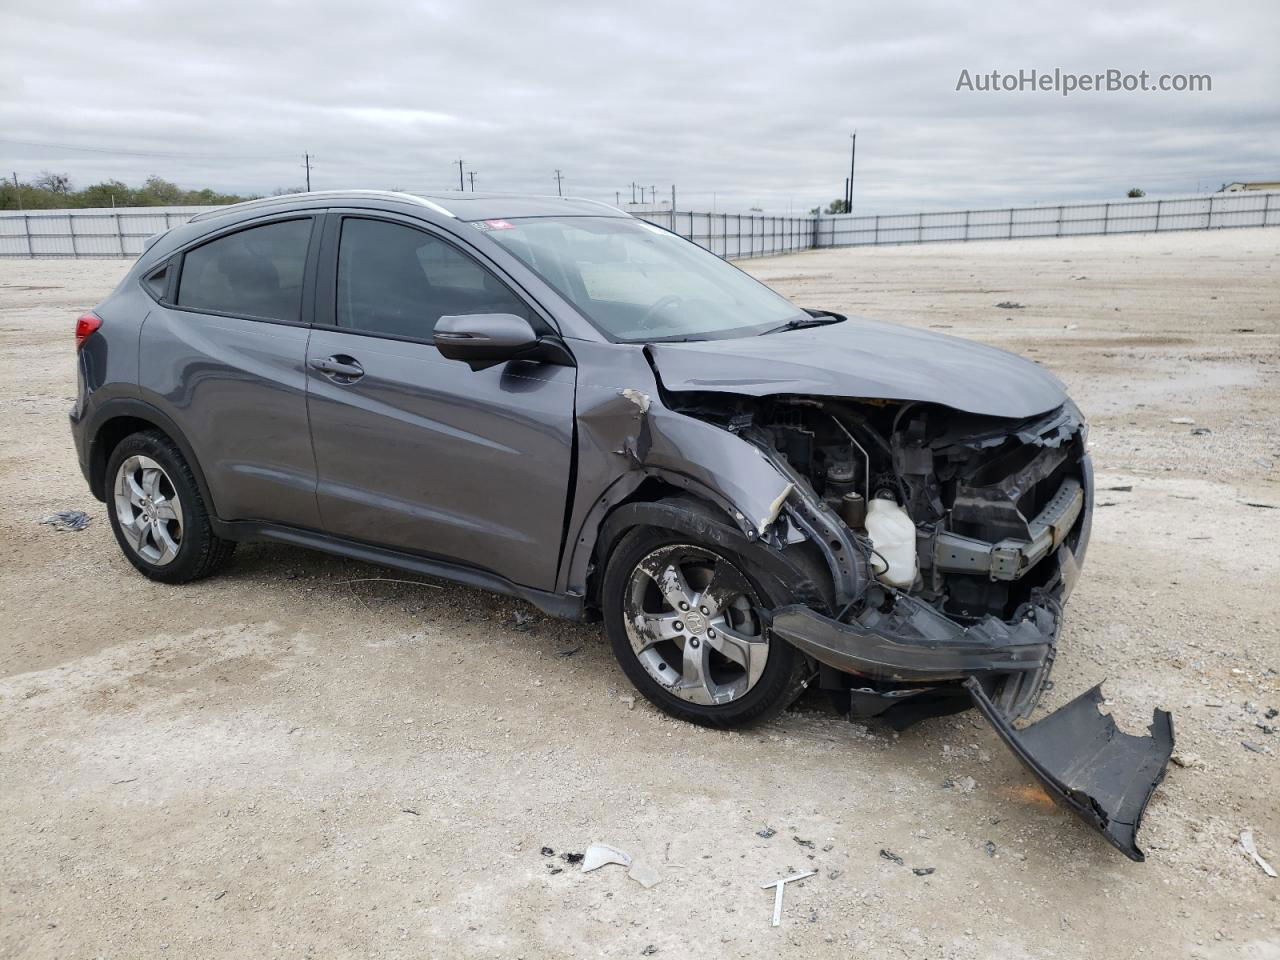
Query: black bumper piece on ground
{"points": [[1087, 765]]}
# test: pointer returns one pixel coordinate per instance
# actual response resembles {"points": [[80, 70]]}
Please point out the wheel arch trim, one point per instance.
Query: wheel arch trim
{"points": [[131, 408]]}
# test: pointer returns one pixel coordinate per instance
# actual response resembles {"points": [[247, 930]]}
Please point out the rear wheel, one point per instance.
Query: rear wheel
{"points": [[683, 620], [157, 513]]}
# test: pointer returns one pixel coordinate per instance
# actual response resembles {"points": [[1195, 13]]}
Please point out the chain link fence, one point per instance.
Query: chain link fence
{"points": [[123, 233]]}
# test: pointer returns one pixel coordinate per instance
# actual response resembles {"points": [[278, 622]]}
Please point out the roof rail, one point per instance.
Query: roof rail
{"points": [[266, 202], [598, 203]]}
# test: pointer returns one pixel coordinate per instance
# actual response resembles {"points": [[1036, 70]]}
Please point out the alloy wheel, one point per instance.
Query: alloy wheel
{"points": [[148, 510], [690, 616]]}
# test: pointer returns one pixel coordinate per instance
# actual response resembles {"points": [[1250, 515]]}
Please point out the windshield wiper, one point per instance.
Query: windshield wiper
{"points": [[799, 323]]}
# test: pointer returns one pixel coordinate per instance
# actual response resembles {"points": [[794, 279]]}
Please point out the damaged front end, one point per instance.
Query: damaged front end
{"points": [[954, 540]]}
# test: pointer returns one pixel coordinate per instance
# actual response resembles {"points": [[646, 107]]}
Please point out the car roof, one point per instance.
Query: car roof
{"points": [[454, 204]]}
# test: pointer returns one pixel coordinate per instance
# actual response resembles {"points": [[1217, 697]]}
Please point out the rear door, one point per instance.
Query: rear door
{"points": [[223, 354], [421, 453]]}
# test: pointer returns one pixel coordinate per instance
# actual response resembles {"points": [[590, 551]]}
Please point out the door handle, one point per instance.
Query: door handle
{"points": [[339, 368]]}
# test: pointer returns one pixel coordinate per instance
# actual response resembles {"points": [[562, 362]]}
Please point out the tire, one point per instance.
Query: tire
{"points": [[733, 698], [157, 513]]}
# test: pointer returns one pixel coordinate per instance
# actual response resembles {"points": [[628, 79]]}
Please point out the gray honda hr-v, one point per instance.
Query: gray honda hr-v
{"points": [[550, 398]]}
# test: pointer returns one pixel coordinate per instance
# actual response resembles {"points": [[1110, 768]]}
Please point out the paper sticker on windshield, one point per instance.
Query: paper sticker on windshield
{"points": [[495, 225]]}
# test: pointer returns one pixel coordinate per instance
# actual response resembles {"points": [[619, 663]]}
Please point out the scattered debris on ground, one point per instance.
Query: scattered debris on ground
{"points": [[598, 854], [891, 856], [1009, 305], [601, 854], [778, 886], [645, 875], [1250, 848], [766, 833], [63, 520]]}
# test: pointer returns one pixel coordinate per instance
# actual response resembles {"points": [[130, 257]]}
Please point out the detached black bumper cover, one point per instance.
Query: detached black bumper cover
{"points": [[1087, 765]]}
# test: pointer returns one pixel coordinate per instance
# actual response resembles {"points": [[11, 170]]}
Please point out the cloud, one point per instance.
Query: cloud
{"points": [[747, 103]]}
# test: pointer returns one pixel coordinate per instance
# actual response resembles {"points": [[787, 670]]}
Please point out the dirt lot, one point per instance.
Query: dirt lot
{"points": [[277, 763]]}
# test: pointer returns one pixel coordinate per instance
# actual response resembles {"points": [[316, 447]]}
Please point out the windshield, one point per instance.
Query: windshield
{"points": [[638, 282]]}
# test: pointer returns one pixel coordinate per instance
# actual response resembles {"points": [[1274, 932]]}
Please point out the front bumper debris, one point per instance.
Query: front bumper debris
{"points": [[915, 663], [915, 644], [1087, 765]]}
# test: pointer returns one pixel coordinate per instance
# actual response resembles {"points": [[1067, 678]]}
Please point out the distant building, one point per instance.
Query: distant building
{"points": [[1255, 185]]}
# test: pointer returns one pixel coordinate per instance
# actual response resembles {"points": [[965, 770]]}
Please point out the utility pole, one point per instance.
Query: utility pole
{"points": [[633, 192], [17, 190], [653, 195], [559, 177], [617, 198], [306, 162], [471, 175], [460, 186], [853, 154], [673, 198]]}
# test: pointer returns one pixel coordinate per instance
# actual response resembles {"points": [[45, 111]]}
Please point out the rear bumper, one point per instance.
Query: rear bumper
{"points": [[79, 436]]}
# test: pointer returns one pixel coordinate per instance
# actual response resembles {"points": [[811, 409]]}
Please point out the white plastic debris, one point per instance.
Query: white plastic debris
{"points": [[645, 875], [1248, 846], [778, 886], [599, 854]]}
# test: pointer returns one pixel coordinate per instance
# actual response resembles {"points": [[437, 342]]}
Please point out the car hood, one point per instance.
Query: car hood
{"points": [[864, 358]]}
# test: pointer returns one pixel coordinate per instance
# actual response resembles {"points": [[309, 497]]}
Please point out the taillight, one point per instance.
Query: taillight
{"points": [[87, 324]]}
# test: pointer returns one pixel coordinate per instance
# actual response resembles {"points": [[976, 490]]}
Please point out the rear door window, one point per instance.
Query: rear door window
{"points": [[251, 273]]}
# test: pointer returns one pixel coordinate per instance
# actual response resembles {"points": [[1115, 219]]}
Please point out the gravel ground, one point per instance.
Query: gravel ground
{"points": [[281, 762]]}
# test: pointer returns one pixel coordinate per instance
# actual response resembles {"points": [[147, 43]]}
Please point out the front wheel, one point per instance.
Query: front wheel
{"points": [[683, 620]]}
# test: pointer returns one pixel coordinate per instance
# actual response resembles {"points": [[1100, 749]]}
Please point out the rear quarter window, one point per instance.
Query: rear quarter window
{"points": [[156, 282], [251, 273]]}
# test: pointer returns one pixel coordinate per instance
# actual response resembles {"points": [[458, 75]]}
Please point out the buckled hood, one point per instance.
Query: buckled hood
{"points": [[864, 358]]}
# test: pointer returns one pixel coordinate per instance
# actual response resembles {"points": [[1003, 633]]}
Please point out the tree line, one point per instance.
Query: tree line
{"points": [[55, 191]]}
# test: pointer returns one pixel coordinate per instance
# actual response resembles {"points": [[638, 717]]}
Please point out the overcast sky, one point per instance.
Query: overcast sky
{"points": [[752, 102]]}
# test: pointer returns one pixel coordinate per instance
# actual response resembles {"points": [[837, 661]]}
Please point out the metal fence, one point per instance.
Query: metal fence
{"points": [[123, 232], [736, 236], [1219, 210], [86, 233]]}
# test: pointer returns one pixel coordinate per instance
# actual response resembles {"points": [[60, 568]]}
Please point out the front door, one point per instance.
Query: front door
{"points": [[421, 453]]}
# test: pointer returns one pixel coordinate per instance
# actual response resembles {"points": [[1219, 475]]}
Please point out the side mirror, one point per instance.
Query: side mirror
{"points": [[486, 339]]}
